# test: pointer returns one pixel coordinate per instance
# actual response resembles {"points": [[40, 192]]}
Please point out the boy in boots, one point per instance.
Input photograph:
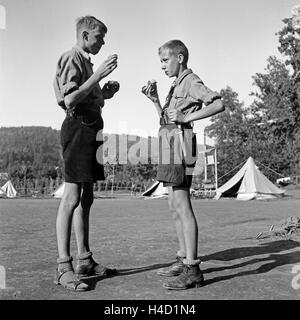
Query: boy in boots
{"points": [[178, 155]]}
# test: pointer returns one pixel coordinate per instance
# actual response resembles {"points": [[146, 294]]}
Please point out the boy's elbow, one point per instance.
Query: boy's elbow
{"points": [[219, 106]]}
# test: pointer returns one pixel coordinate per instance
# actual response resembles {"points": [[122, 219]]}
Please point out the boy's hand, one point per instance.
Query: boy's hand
{"points": [[176, 116], [110, 88], [150, 91], [109, 65]]}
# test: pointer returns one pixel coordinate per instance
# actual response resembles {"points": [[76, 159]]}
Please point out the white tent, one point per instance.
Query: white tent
{"points": [[157, 190], [58, 193], [249, 183], [8, 190]]}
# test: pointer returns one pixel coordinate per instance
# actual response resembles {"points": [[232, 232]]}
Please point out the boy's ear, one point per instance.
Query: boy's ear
{"points": [[85, 35], [180, 58]]}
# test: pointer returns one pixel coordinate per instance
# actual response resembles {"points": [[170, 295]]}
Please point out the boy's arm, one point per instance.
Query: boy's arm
{"points": [[215, 107], [76, 96], [150, 91], [158, 108], [212, 109], [199, 92]]}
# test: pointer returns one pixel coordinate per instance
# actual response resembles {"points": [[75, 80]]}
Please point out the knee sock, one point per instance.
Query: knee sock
{"points": [[85, 258], [191, 262], [65, 263]]}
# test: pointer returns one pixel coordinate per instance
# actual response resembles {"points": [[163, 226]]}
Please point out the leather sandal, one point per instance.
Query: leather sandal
{"points": [[74, 285]]}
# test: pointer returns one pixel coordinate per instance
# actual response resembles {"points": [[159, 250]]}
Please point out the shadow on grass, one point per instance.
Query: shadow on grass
{"points": [[272, 261], [244, 221], [242, 252], [92, 281]]}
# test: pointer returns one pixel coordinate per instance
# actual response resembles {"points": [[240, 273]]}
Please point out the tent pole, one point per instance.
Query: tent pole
{"points": [[216, 169], [205, 164]]}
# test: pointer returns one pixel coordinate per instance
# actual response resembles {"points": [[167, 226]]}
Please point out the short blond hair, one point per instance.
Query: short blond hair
{"points": [[177, 47]]}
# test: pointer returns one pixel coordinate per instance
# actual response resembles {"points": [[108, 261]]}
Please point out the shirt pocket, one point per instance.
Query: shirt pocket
{"points": [[184, 101], [180, 98]]}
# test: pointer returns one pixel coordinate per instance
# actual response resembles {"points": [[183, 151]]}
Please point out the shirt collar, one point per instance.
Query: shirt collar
{"points": [[182, 76], [82, 52]]}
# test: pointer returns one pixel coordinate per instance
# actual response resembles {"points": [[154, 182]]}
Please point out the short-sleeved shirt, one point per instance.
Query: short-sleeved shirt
{"points": [[189, 94], [79, 129], [73, 69]]}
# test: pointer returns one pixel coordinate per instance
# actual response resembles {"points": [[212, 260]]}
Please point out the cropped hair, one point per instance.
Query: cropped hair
{"points": [[90, 23], [176, 47]]}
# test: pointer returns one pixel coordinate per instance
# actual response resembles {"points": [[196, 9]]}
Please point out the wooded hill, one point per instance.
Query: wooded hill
{"points": [[36, 151]]}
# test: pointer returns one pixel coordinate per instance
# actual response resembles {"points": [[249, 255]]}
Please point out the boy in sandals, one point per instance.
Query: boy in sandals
{"points": [[178, 155], [78, 92]]}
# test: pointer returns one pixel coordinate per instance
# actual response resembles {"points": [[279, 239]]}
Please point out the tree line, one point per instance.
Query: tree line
{"points": [[31, 157], [269, 129]]}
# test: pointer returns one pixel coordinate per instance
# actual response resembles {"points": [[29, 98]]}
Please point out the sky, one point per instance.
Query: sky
{"points": [[229, 42]]}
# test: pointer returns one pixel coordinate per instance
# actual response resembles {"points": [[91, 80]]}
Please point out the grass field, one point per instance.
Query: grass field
{"points": [[137, 237]]}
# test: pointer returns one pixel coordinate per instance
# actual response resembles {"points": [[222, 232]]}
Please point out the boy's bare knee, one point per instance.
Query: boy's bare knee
{"points": [[182, 209], [177, 204], [175, 214], [173, 210], [71, 202]]}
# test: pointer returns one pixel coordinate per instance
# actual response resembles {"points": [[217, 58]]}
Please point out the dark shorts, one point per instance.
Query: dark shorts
{"points": [[177, 171], [187, 182], [79, 148]]}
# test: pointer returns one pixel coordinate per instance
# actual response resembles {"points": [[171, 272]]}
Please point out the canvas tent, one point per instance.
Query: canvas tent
{"points": [[157, 190], [58, 193], [249, 183], [8, 190]]}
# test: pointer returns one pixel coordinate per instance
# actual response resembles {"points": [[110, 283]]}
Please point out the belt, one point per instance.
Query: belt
{"points": [[183, 125], [71, 113]]}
